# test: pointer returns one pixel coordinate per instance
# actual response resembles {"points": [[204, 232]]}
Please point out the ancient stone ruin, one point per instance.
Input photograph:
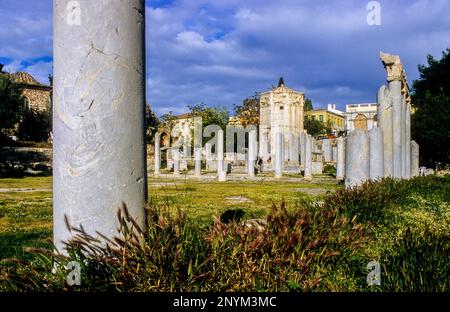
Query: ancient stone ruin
{"points": [[99, 144]]}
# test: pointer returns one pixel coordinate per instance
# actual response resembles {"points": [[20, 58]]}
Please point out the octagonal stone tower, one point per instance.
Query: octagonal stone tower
{"points": [[281, 111]]}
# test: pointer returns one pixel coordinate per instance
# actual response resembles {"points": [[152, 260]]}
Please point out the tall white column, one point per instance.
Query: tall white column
{"points": [[302, 149], [198, 161], [384, 114], [340, 162], [414, 159], [294, 148], [99, 157], [279, 155], [327, 151], [251, 153], [157, 154], [357, 158], [403, 129], [176, 160], [396, 90], [308, 157], [219, 151], [408, 141], [376, 166]]}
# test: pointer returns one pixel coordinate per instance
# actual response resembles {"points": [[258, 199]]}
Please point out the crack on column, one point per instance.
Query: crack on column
{"points": [[83, 113], [94, 48]]}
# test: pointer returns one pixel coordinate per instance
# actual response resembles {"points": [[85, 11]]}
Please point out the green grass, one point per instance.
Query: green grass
{"points": [[26, 217], [204, 200]]}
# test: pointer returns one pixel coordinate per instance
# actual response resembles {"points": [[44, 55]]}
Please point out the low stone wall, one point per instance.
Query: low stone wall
{"points": [[22, 161]]}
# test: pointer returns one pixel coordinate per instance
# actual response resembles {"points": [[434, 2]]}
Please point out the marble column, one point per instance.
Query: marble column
{"points": [[294, 148], [308, 157], [340, 162], [376, 165], [384, 113], [403, 129], [251, 153], [176, 160], [302, 148], [327, 151], [357, 157], [414, 159], [157, 154], [198, 161], [219, 151], [279, 155], [334, 159], [264, 144], [408, 140], [395, 87], [99, 158]]}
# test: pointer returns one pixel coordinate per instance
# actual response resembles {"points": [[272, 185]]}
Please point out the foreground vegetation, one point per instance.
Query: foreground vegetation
{"points": [[310, 246]]}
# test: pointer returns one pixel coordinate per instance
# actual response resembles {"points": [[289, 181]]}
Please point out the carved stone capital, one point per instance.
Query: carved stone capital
{"points": [[393, 66]]}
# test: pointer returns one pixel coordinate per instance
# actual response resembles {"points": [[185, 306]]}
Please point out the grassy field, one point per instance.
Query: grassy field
{"points": [[26, 214]]}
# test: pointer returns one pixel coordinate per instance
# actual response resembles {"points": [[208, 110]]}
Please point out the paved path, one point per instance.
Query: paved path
{"points": [[24, 190]]}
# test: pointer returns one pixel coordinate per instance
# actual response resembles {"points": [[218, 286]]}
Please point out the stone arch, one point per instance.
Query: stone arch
{"points": [[360, 122]]}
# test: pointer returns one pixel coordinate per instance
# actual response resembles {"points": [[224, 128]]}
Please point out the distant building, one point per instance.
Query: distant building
{"points": [[361, 116], [37, 96], [330, 115]]}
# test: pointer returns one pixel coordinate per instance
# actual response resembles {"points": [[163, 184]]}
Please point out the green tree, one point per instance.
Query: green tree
{"points": [[210, 115], [431, 102], [35, 125], [315, 127], [11, 103], [152, 123], [308, 105], [248, 112]]}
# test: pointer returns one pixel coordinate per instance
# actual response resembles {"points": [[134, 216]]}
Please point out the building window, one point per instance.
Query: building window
{"points": [[281, 107], [321, 117], [26, 103]]}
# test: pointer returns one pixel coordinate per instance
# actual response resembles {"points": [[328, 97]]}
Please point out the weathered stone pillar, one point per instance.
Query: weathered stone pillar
{"points": [[198, 161], [264, 143], [414, 159], [279, 155], [403, 130], [302, 149], [357, 158], [340, 162], [251, 153], [408, 140], [176, 160], [98, 115], [219, 151], [399, 89], [157, 154], [308, 157], [397, 128], [293, 148], [222, 176], [334, 159], [384, 114], [327, 151], [376, 166]]}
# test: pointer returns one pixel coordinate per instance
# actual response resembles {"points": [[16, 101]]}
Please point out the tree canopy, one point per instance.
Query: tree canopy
{"points": [[11, 103], [210, 115], [248, 112], [431, 100]]}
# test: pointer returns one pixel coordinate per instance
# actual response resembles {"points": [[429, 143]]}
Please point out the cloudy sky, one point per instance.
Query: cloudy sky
{"points": [[221, 51]]}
